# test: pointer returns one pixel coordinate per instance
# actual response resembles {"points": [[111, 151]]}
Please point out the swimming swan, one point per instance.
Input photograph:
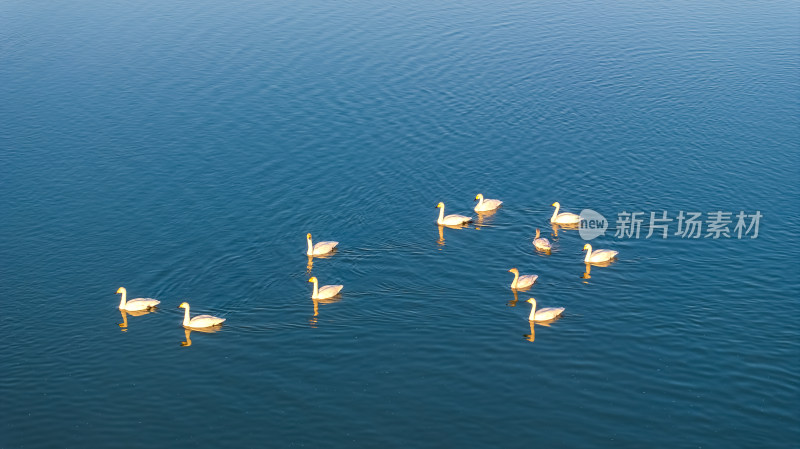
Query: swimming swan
{"points": [[320, 248], [324, 292], [486, 205], [451, 220], [541, 243], [522, 281], [200, 321], [598, 255], [545, 314], [564, 217], [135, 304]]}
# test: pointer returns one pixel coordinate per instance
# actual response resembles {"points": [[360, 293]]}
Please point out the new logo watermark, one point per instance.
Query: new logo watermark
{"points": [[688, 225], [593, 224]]}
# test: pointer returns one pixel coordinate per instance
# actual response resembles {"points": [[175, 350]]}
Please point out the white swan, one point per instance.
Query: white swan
{"points": [[598, 255], [324, 292], [541, 243], [320, 248], [524, 281], [486, 205], [451, 220], [199, 321], [564, 217], [545, 314], [135, 304]]}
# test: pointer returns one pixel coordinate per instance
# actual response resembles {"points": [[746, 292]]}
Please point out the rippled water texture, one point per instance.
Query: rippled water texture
{"points": [[184, 149]]}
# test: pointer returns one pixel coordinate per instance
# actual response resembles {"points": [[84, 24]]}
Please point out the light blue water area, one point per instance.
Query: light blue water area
{"points": [[184, 149]]}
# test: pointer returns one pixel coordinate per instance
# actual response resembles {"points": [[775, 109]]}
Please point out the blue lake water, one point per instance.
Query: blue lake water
{"points": [[184, 149]]}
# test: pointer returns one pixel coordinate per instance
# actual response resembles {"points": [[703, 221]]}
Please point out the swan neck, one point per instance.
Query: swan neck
{"points": [[310, 248], [123, 299], [537, 234], [480, 201], [186, 316], [555, 213], [588, 253], [532, 316], [516, 277], [316, 290], [441, 215]]}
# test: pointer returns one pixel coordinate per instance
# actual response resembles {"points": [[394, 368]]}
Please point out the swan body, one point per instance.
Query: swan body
{"points": [[324, 292], [563, 217], [598, 255], [485, 205], [545, 314], [451, 220], [320, 248], [523, 281], [200, 321], [135, 304], [541, 243]]}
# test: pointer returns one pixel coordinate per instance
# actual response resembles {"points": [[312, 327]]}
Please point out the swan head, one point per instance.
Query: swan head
{"points": [[478, 197], [513, 270], [308, 236], [121, 290], [183, 305], [556, 204], [532, 301], [587, 246], [441, 204], [313, 279]]}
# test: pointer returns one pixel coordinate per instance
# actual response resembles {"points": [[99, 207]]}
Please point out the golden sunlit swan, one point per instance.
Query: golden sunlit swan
{"points": [[324, 292], [200, 321], [541, 243], [320, 248], [451, 220], [135, 304], [563, 217], [598, 255], [545, 314], [486, 205], [522, 281]]}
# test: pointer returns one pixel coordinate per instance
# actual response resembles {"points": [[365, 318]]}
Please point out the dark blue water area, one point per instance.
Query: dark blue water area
{"points": [[184, 149]]}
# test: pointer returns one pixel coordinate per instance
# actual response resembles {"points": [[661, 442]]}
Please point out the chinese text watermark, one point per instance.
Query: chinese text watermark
{"points": [[686, 225]]}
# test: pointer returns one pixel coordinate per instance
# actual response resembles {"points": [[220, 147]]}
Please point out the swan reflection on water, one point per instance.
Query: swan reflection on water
{"points": [[568, 227], [532, 336], [310, 263], [513, 302], [440, 242], [187, 332], [587, 274], [125, 313], [485, 218], [315, 319]]}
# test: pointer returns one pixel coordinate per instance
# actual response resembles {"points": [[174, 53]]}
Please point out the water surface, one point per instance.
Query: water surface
{"points": [[184, 149]]}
